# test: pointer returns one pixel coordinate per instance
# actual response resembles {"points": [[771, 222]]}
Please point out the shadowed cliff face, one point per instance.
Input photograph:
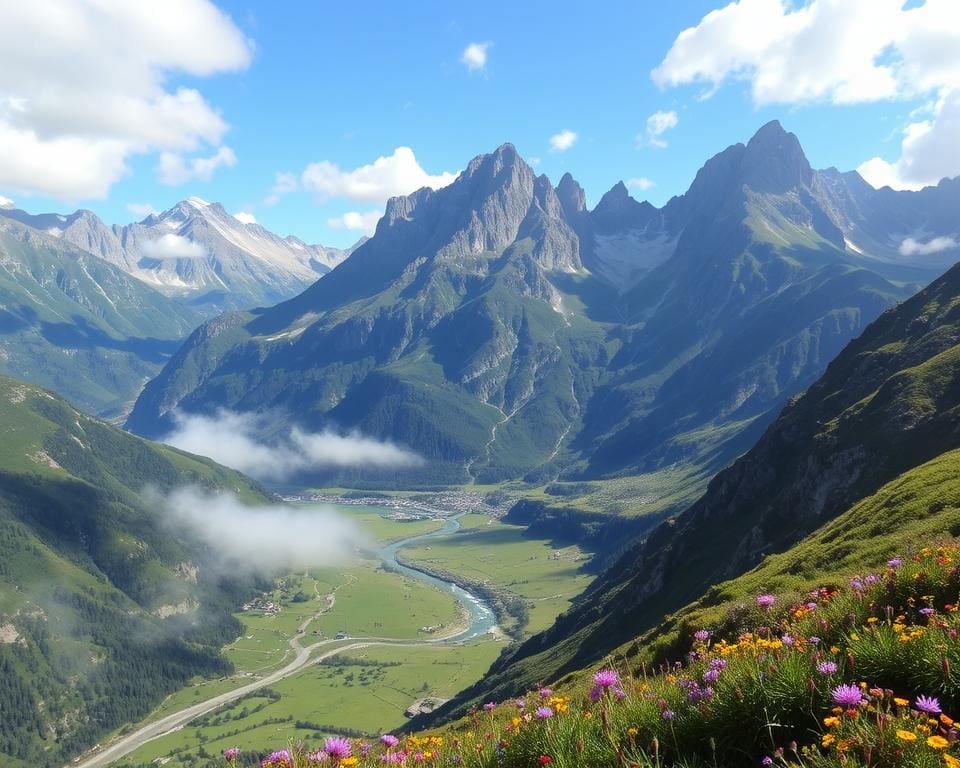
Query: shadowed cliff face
{"points": [[503, 330]]}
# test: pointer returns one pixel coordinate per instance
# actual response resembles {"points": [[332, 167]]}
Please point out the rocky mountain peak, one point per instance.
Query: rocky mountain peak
{"points": [[571, 195], [618, 211], [774, 161]]}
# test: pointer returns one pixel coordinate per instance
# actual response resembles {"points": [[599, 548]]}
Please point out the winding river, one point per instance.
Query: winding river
{"points": [[481, 621]]}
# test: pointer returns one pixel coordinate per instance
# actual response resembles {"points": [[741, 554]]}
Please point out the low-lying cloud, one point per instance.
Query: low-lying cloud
{"points": [[234, 439], [911, 247], [259, 539], [172, 246]]}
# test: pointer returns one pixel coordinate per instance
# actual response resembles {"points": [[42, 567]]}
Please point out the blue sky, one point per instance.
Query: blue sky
{"points": [[302, 83]]}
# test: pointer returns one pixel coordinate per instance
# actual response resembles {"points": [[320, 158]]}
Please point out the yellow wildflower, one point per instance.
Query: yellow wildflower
{"points": [[830, 722], [349, 761], [900, 702], [632, 732], [906, 735], [827, 740], [951, 761], [937, 742]]}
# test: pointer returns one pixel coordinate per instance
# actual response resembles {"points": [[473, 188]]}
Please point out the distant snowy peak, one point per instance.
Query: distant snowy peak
{"points": [[199, 251]]}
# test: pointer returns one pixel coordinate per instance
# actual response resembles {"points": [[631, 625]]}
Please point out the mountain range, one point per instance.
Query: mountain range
{"points": [[503, 330], [197, 253], [855, 471]]}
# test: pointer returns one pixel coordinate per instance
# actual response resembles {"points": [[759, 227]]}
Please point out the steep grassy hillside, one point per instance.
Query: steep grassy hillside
{"points": [[102, 609]]}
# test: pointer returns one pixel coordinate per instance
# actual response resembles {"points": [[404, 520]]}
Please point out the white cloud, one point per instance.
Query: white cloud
{"points": [[911, 247], [659, 123], [6, 202], [385, 177], [142, 210], [174, 169], [475, 56], [83, 88], [533, 161], [171, 246], [930, 150], [561, 142], [232, 439], [640, 182], [365, 221], [245, 217], [259, 539], [283, 184]]}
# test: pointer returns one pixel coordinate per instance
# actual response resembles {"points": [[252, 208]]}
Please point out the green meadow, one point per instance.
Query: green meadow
{"points": [[499, 556]]}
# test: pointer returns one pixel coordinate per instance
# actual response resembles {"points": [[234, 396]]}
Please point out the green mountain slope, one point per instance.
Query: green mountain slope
{"points": [[73, 322], [87, 575], [887, 405], [505, 332]]}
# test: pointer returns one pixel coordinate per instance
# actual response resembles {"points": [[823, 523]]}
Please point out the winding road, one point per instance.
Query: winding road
{"points": [[482, 620]]}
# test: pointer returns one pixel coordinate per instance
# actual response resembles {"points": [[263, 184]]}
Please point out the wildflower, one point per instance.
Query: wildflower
{"points": [[701, 635], [951, 762], [906, 735], [766, 601], [928, 704], [545, 693], [900, 702], [927, 611], [895, 563], [619, 693], [606, 678], [848, 695], [787, 640], [813, 640], [937, 742], [832, 721], [544, 712], [231, 754], [948, 721], [632, 732], [767, 760], [278, 759], [827, 667], [827, 740], [545, 760], [668, 714], [337, 747], [349, 761], [711, 675], [520, 703], [394, 758], [489, 706], [389, 740]]}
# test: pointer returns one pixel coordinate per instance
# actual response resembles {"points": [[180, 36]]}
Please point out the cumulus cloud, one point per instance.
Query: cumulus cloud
{"points": [[640, 182], [142, 210], [475, 56], [365, 221], [171, 246], [929, 151], [6, 202], [657, 124], [245, 217], [385, 177], [912, 247], [233, 439], [839, 52], [283, 184], [84, 87], [561, 142], [259, 539], [175, 169]]}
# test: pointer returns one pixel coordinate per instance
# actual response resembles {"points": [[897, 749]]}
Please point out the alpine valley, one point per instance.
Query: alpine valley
{"points": [[657, 450]]}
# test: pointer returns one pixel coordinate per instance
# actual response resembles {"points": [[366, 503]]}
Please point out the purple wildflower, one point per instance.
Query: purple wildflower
{"points": [[338, 747], [811, 606], [787, 640], [606, 678], [856, 585], [545, 693], [279, 759], [595, 693], [394, 758], [520, 703], [489, 706], [767, 760], [701, 635], [927, 611], [711, 675], [928, 704], [544, 712], [668, 714], [766, 601], [389, 740], [813, 640], [231, 754], [827, 667], [871, 579], [619, 693], [847, 695], [895, 562], [718, 664]]}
